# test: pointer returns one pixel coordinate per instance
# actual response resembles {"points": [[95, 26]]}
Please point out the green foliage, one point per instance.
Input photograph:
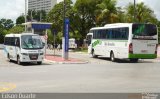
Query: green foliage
{"points": [[17, 29], [107, 12], [6, 23], [56, 17], [143, 14], [20, 20]]}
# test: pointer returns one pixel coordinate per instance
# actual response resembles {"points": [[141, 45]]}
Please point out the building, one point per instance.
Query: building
{"points": [[37, 5]]}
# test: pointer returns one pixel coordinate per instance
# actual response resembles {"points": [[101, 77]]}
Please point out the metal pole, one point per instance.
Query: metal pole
{"points": [[31, 16], [45, 43], [40, 16], [25, 15], [54, 42], [63, 39], [134, 10]]}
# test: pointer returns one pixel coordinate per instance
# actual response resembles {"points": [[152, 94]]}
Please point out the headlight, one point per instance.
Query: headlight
{"points": [[24, 54]]}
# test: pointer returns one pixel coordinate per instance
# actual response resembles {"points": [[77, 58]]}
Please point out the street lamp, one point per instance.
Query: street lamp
{"points": [[25, 15]]}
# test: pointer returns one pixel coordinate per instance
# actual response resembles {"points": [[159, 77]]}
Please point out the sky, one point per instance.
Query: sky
{"points": [[11, 9]]}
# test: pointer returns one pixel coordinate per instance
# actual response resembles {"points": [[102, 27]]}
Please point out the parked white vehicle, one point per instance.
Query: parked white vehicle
{"points": [[124, 41], [72, 43], [25, 47]]}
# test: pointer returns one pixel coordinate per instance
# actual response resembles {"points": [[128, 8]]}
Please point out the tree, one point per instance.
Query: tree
{"points": [[6, 23], [20, 20], [56, 17], [17, 29], [85, 16], [143, 13], [107, 12]]}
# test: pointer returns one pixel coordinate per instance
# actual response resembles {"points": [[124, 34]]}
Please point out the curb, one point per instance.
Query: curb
{"points": [[55, 62]]}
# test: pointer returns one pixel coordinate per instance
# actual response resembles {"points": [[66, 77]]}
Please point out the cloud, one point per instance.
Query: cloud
{"points": [[153, 4], [11, 9]]}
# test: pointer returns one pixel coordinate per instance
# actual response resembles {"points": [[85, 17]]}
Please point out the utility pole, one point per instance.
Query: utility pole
{"points": [[134, 10], [25, 15]]}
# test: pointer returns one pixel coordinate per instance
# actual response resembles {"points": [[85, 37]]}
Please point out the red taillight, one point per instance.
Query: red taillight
{"points": [[130, 48], [156, 48]]}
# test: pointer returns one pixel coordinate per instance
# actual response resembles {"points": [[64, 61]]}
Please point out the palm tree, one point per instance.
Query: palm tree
{"points": [[107, 12], [143, 13]]}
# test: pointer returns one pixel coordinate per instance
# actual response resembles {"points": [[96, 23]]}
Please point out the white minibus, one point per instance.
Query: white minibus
{"points": [[25, 47]]}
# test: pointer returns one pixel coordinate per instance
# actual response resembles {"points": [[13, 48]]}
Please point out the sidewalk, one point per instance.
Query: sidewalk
{"points": [[57, 58]]}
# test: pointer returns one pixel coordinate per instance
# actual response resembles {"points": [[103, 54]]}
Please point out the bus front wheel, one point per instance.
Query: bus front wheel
{"points": [[18, 60], [93, 54], [112, 57]]}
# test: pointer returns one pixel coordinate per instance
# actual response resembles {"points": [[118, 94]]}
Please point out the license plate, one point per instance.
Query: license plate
{"points": [[144, 51], [34, 57]]}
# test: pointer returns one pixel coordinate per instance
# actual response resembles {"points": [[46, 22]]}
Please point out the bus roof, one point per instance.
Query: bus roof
{"points": [[18, 35], [115, 25]]}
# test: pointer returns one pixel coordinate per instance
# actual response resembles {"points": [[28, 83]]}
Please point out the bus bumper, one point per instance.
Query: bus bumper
{"points": [[143, 56], [26, 58]]}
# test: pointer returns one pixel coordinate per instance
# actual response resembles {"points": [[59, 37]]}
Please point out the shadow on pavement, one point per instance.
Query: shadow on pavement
{"points": [[125, 60], [29, 64]]}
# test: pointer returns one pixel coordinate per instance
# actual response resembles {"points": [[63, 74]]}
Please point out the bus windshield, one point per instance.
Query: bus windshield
{"points": [[144, 30], [31, 42]]}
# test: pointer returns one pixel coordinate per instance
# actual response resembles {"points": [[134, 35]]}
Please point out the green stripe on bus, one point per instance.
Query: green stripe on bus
{"points": [[143, 56]]}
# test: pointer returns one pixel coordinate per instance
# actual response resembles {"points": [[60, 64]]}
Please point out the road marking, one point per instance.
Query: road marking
{"points": [[5, 86]]}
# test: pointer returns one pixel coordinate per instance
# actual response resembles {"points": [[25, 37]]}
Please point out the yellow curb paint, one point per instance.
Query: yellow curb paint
{"points": [[5, 86]]}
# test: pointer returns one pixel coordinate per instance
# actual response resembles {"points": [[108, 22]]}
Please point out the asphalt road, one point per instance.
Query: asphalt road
{"points": [[101, 77]]}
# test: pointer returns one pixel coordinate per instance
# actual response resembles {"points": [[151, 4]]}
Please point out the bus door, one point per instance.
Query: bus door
{"points": [[89, 42], [17, 46]]}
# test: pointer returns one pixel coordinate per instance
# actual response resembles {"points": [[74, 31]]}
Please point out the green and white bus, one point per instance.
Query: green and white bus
{"points": [[124, 41]]}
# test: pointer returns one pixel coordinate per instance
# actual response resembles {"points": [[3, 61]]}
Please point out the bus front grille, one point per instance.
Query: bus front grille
{"points": [[33, 56]]}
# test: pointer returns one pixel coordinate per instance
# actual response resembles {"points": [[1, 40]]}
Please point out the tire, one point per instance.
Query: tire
{"points": [[18, 60], [9, 59], [112, 57], [39, 63], [93, 54], [135, 60]]}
